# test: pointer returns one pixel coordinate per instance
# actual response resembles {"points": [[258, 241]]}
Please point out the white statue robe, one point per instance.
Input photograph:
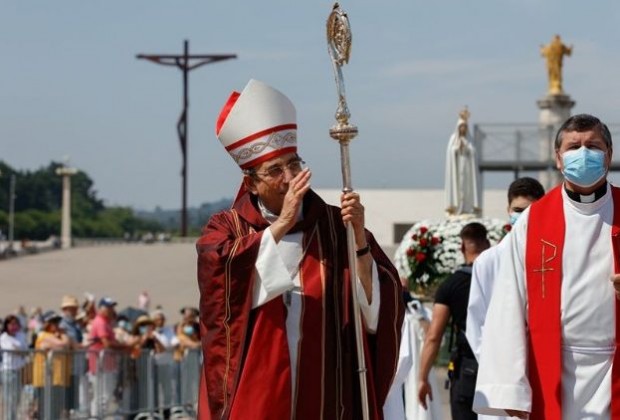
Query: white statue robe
{"points": [[587, 319], [462, 179], [483, 279]]}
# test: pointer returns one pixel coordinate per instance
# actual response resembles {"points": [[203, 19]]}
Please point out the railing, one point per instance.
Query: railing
{"points": [[522, 147], [90, 242], [58, 385]]}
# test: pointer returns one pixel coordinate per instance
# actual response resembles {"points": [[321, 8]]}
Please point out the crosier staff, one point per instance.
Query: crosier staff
{"points": [[339, 46]]}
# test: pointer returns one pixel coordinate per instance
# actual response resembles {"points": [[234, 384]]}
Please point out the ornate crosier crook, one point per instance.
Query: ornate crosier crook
{"points": [[339, 46]]}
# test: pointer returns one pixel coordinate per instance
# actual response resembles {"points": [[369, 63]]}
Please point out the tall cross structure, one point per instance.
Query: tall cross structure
{"points": [[185, 62]]}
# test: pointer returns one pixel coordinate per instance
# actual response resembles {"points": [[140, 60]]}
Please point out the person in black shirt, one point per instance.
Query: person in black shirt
{"points": [[451, 302]]}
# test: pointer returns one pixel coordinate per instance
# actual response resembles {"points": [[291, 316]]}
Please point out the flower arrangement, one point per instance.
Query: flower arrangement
{"points": [[431, 250], [420, 254]]}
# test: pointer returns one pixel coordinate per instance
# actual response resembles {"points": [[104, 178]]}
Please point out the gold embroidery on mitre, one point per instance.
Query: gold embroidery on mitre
{"points": [[275, 141], [543, 260]]}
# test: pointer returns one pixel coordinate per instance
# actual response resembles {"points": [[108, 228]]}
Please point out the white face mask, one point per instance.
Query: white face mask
{"points": [[584, 167], [514, 216]]}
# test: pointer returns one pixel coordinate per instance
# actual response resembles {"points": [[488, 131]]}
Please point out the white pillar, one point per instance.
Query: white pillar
{"points": [[554, 110], [65, 227]]}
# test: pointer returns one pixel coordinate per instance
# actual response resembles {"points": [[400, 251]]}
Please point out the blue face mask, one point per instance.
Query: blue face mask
{"points": [[584, 167], [188, 330], [143, 329], [514, 216]]}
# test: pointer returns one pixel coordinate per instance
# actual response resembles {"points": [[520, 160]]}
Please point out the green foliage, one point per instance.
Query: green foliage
{"points": [[38, 200], [36, 224], [113, 222], [4, 222]]}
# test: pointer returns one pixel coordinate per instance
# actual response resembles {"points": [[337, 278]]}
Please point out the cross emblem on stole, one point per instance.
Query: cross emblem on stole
{"points": [[544, 260]]}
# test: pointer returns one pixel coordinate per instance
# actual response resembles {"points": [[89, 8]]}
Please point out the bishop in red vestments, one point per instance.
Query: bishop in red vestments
{"points": [[275, 298]]}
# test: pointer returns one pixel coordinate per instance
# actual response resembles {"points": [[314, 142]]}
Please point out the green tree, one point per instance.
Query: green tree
{"points": [[38, 200]]}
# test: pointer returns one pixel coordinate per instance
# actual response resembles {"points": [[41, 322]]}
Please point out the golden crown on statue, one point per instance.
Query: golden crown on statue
{"points": [[464, 114]]}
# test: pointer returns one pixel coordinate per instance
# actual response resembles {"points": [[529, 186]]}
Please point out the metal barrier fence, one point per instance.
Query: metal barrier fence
{"points": [[58, 385]]}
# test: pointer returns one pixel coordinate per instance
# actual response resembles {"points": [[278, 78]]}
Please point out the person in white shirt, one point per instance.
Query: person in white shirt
{"points": [[12, 343]]}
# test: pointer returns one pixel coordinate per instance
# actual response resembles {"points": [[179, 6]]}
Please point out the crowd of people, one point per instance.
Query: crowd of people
{"points": [[88, 328]]}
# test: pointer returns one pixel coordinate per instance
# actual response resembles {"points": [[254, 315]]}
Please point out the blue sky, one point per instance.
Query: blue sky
{"points": [[70, 83]]}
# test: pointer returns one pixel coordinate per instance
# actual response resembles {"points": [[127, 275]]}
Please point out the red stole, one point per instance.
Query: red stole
{"points": [[543, 254]]}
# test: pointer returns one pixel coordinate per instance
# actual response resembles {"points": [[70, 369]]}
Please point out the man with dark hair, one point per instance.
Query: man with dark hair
{"points": [[525, 187], [549, 346], [451, 301]]}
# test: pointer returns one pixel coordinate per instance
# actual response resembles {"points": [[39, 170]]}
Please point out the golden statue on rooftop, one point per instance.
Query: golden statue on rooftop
{"points": [[554, 52]]}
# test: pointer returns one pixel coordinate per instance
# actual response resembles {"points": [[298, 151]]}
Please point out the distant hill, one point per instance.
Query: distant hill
{"points": [[197, 216]]}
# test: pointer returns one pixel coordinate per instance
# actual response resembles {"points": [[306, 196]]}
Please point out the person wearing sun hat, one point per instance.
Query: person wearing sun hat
{"points": [[189, 313], [69, 307], [144, 330], [273, 275]]}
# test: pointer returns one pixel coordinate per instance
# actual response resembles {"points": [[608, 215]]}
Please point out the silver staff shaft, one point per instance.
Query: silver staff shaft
{"points": [[359, 331], [339, 46]]}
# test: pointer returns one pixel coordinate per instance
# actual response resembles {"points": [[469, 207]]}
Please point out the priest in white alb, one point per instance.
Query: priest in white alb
{"points": [[550, 338]]}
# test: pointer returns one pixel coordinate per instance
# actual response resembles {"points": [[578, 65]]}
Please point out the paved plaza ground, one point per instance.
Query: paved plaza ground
{"points": [[166, 270]]}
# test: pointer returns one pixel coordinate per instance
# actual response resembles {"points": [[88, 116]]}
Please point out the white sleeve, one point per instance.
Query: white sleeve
{"points": [[477, 305], [174, 341], [502, 376], [5, 344], [370, 311], [271, 277], [167, 338]]}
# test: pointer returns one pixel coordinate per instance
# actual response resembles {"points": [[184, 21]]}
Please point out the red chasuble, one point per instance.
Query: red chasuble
{"points": [[544, 252], [247, 371]]}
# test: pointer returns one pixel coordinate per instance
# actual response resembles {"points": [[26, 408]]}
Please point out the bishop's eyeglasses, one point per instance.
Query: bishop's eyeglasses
{"points": [[295, 166]]}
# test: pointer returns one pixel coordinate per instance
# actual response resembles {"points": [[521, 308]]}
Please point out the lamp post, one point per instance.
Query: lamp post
{"points": [[65, 228], [185, 62]]}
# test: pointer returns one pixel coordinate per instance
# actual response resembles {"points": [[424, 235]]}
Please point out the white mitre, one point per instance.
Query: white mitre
{"points": [[258, 124]]}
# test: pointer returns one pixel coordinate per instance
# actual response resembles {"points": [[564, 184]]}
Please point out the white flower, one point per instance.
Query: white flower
{"points": [[447, 256]]}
